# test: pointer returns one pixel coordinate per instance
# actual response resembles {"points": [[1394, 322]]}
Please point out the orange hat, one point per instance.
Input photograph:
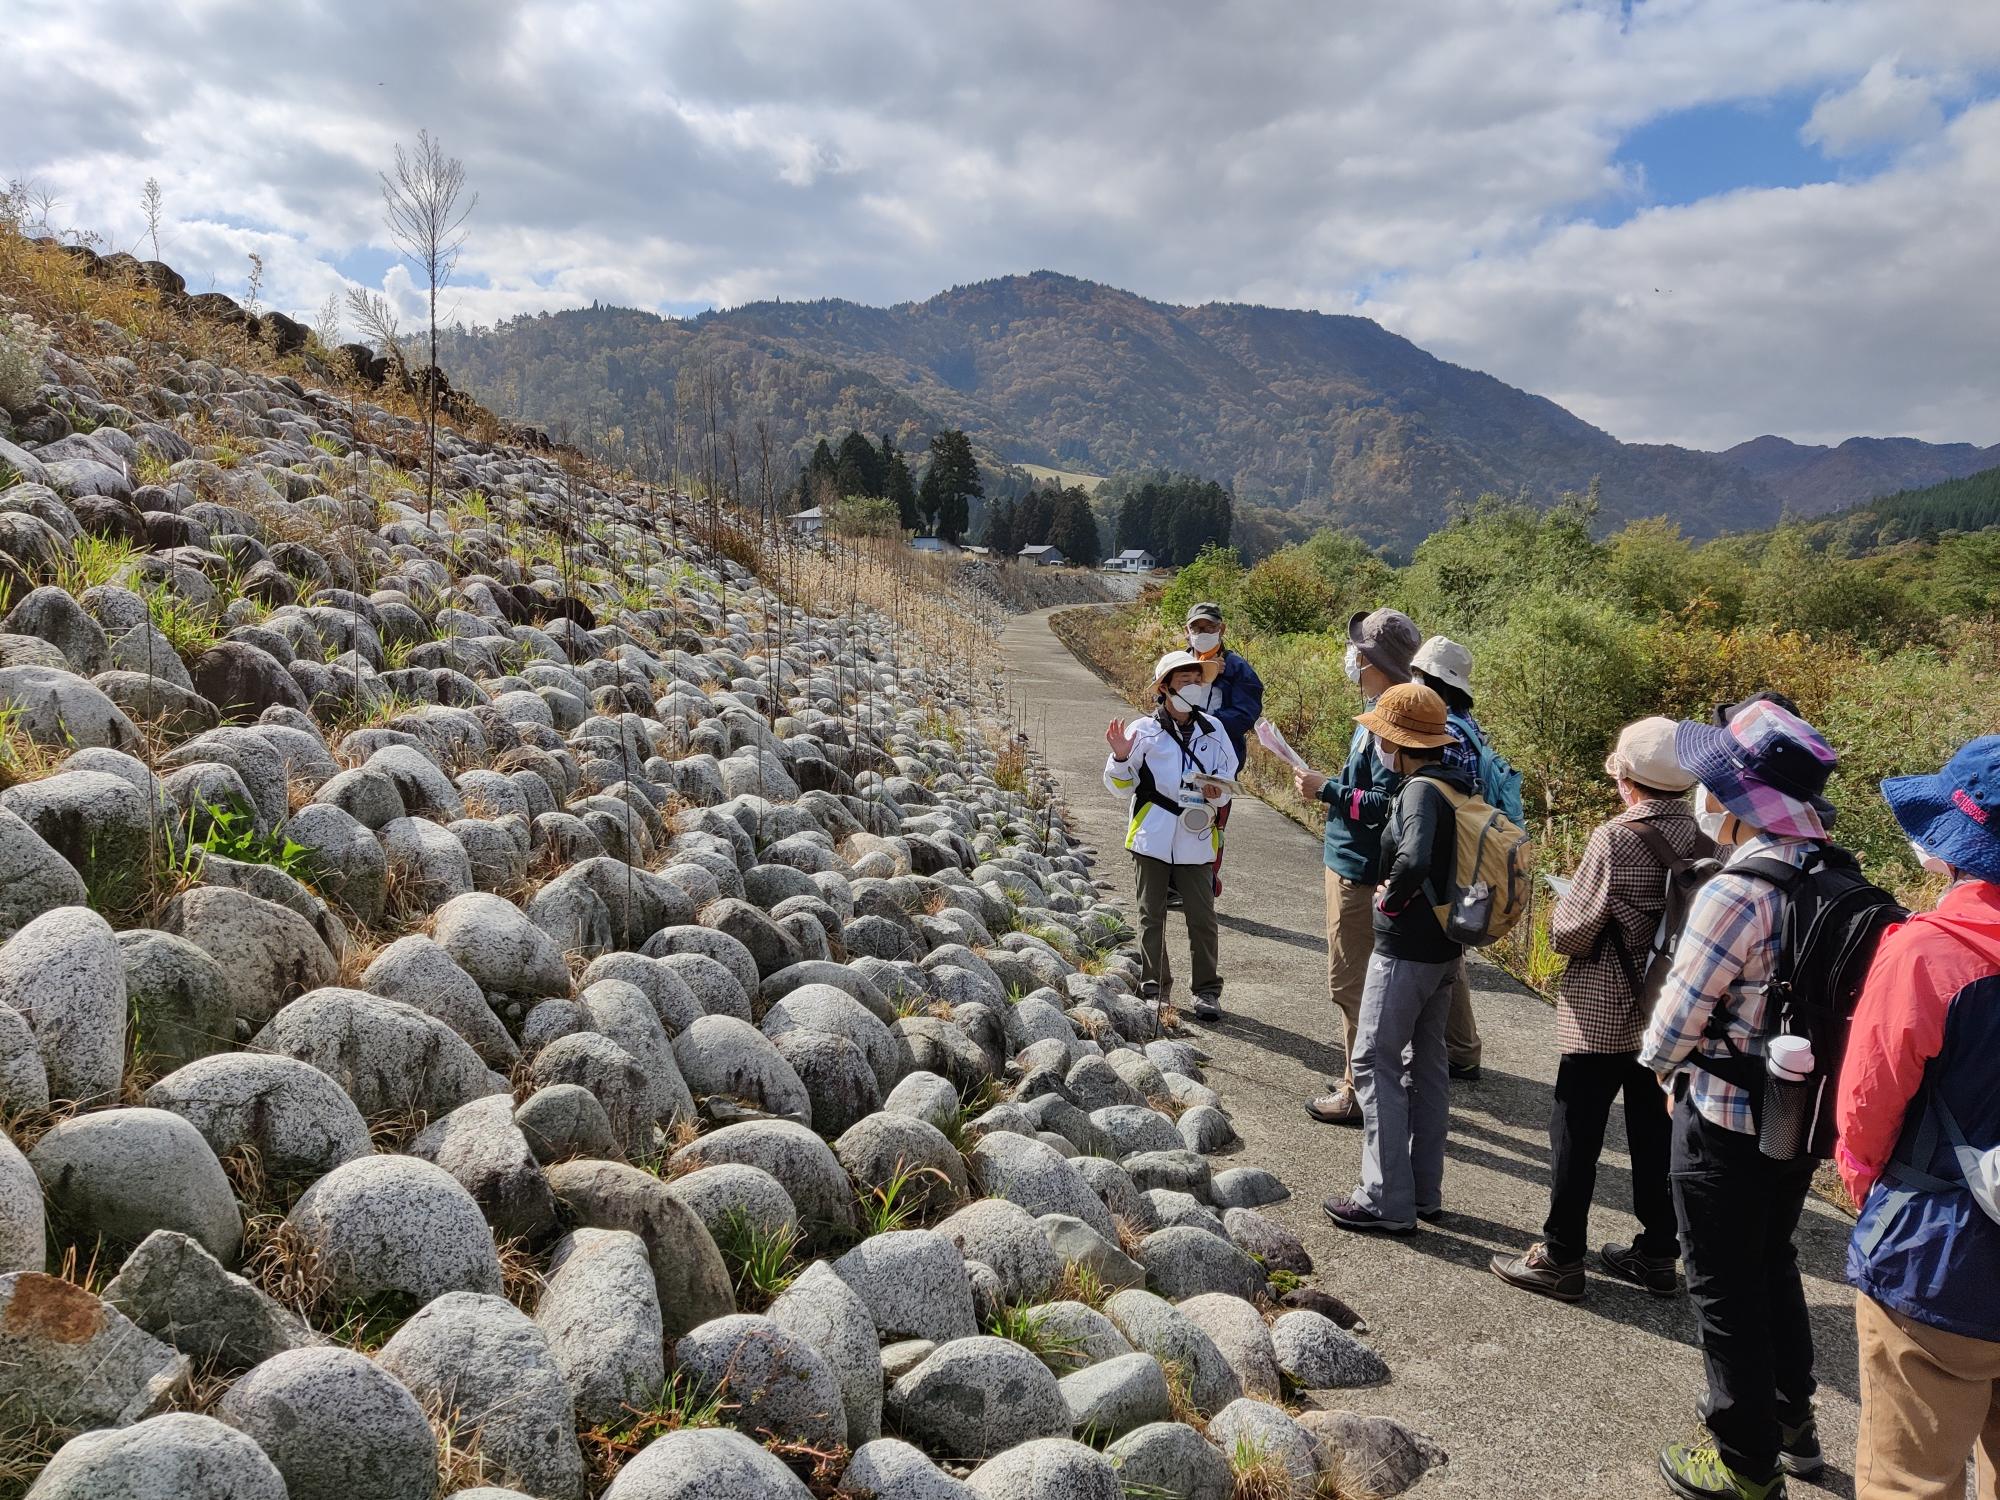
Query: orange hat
{"points": [[1411, 715]]}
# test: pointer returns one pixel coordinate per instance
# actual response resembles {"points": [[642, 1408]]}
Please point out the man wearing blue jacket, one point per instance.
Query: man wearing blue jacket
{"points": [[1239, 697]]}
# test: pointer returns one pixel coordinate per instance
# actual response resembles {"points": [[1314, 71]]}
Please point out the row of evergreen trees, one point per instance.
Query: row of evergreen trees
{"points": [[1054, 516], [940, 506], [1172, 516]]}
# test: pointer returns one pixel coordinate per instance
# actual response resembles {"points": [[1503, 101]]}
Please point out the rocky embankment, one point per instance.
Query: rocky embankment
{"points": [[508, 1005]]}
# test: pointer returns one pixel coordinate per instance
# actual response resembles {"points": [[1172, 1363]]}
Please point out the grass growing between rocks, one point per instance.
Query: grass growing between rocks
{"points": [[762, 1260], [680, 1405], [1029, 1327], [1260, 1474], [896, 1204]]}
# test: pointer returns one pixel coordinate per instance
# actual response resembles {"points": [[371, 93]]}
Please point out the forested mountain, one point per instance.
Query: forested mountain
{"points": [[1053, 370], [1970, 503], [1811, 480]]}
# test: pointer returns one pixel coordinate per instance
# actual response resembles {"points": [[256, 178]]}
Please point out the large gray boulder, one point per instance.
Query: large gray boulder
{"points": [[1238, 1330], [504, 953], [564, 1121], [1133, 1128], [1077, 1244], [826, 1008], [120, 1174], [689, 1275], [913, 1283], [67, 1360], [706, 1463], [725, 1057], [976, 1397], [1172, 1461], [485, 1360], [336, 1425], [774, 1380], [1185, 1262], [1173, 1338], [831, 1318], [1110, 1398], [34, 878], [1252, 1427], [268, 953], [625, 1013], [1047, 1469], [60, 709], [601, 1315], [731, 1198], [24, 1079], [298, 1121], [347, 856], [179, 1001], [883, 1147], [392, 1059], [632, 1105], [803, 1163], [178, 1292], [1039, 1178], [1370, 1455], [1269, 1241], [1317, 1354], [396, 1224], [889, 1469], [927, 1097], [1075, 1335], [674, 1003], [179, 1456], [418, 972], [480, 1145], [1009, 1239], [839, 1084], [23, 1221], [64, 975]]}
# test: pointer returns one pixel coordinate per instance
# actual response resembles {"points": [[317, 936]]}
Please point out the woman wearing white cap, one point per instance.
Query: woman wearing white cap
{"points": [[1174, 767]]}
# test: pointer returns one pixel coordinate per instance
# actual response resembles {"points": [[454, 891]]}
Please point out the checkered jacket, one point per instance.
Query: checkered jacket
{"points": [[1722, 967], [1620, 884]]}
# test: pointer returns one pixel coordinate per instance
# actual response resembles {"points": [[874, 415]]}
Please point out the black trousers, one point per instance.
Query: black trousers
{"points": [[1738, 1210], [1587, 1084]]}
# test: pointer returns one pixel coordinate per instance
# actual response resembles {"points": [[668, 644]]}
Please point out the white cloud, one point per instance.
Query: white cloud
{"points": [[1887, 107], [1289, 152]]}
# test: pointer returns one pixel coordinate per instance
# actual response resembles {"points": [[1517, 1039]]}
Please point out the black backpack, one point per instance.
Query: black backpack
{"points": [[1685, 874], [1834, 918]]}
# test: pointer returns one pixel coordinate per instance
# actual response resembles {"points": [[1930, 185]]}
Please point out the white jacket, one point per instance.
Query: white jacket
{"points": [[1154, 831]]}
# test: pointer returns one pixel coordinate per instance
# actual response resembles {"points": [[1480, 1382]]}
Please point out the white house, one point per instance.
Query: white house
{"points": [[1043, 555], [1131, 560], [809, 522], [931, 544]]}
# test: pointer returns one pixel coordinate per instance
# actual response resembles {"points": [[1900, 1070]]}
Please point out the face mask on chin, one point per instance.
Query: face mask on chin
{"points": [[1204, 641], [1929, 863]]}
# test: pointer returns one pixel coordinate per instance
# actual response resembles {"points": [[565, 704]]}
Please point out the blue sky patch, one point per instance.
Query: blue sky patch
{"points": [[1696, 153]]}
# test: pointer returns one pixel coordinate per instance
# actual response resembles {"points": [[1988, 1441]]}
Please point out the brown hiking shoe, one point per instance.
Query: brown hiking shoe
{"points": [[1337, 1108], [1537, 1272]]}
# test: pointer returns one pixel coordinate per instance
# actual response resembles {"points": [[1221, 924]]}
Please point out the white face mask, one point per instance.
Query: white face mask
{"points": [[1386, 753], [1204, 640], [1929, 863], [1197, 695], [1352, 662], [1710, 821]]}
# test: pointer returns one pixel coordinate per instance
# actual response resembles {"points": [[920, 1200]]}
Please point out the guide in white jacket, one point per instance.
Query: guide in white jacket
{"points": [[1176, 768]]}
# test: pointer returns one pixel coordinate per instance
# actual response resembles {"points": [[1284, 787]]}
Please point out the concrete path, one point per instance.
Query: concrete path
{"points": [[1530, 1397]]}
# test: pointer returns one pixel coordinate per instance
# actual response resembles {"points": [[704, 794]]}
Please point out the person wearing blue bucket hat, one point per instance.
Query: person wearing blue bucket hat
{"points": [[1919, 1116], [1738, 1209]]}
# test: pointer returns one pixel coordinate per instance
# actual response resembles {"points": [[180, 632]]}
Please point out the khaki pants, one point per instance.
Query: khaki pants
{"points": [[1196, 884], [1461, 1034], [1350, 938], [1928, 1398]]}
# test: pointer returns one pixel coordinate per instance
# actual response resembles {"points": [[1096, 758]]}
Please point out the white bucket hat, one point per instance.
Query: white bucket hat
{"points": [[1173, 661], [1447, 661], [1645, 754]]}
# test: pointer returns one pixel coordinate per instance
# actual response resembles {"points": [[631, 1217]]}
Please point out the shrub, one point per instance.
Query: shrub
{"points": [[1215, 576], [1285, 595], [20, 369]]}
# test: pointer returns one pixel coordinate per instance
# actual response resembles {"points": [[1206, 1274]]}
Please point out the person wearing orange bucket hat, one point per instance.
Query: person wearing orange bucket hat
{"points": [[1406, 996]]}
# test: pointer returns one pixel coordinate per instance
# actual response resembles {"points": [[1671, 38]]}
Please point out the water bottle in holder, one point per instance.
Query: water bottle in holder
{"points": [[1790, 1088]]}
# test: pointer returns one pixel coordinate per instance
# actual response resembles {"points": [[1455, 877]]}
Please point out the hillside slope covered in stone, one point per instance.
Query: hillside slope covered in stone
{"points": [[547, 994]]}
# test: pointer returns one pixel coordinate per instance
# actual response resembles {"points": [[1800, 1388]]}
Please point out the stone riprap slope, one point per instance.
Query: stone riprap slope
{"points": [[512, 1005]]}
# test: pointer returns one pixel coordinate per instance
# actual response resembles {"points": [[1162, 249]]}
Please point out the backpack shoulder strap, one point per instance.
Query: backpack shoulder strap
{"points": [[1786, 877], [1655, 842]]}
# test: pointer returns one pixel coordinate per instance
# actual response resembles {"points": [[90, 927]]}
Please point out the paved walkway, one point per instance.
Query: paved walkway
{"points": [[1530, 1397]]}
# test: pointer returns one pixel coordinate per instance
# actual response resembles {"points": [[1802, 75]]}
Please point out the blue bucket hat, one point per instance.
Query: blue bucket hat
{"points": [[1955, 814], [1768, 766]]}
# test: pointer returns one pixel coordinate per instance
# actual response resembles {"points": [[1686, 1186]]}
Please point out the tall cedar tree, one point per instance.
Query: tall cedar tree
{"points": [[951, 482], [1000, 528], [819, 471], [1074, 529], [897, 485], [859, 467]]}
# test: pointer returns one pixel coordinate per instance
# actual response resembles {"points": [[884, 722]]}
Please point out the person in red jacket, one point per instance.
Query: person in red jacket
{"points": [[1919, 1115]]}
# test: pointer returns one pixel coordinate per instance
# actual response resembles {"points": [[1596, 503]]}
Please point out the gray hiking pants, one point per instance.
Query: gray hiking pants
{"points": [[1196, 884], [1404, 1107]]}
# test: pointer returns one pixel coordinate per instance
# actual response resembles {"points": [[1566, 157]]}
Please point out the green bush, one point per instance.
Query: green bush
{"points": [[1284, 595], [1215, 577]]}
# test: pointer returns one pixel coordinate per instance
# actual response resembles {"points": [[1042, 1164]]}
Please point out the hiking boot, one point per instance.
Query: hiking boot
{"points": [[1654, 1273], [1538, 1271], [1798, 1449], [1337, 1108], [1207, 1008], [1465, 1072], [1349, 1214], [1697, 1472]]}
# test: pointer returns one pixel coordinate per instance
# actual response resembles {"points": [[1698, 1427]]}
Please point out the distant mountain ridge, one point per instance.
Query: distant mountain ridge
{"points": [[1049, 369], [1817, 479]]}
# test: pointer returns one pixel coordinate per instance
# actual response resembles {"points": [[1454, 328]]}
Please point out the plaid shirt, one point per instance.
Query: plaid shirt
{"points": [[1620, 884], [1722, 966]]}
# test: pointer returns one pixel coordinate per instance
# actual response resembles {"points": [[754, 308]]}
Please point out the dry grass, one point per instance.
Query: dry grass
{"points": [[281, 1261], [460, 1466], [1260, 1474], [1180, 1395], [24, 1452], [521, 1278]]}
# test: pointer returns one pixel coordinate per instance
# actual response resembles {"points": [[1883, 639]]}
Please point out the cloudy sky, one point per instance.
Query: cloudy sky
{"points": [[1687, 220]]}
